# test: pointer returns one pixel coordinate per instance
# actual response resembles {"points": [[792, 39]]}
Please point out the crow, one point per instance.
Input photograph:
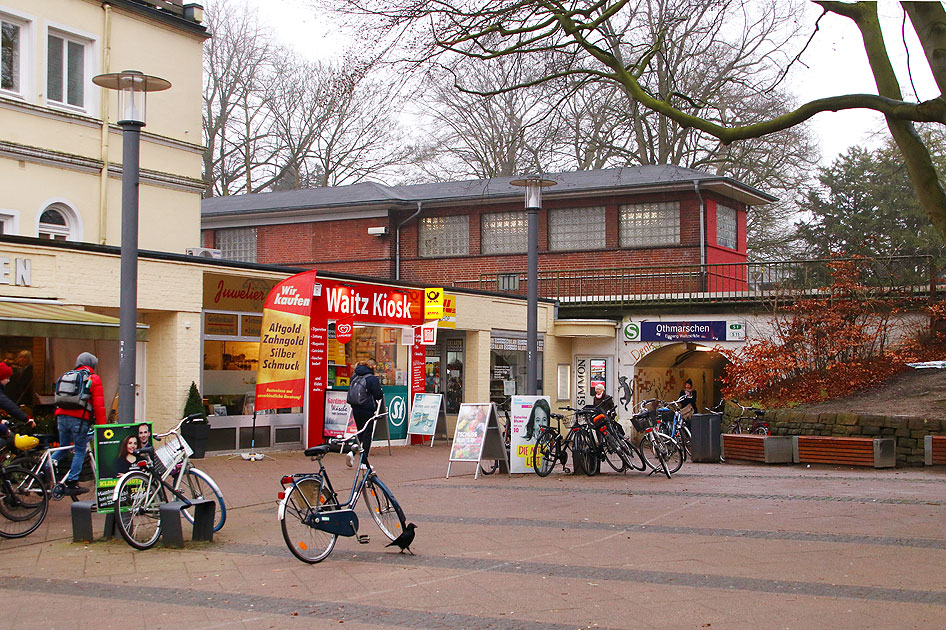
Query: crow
{"points": [[405, 539]]}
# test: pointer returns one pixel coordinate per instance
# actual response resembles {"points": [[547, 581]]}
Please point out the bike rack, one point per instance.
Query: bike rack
{"points": [[171, 528], [82, 530]]}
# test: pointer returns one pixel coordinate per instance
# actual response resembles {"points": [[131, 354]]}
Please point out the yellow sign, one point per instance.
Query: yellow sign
{"points": [[433, 303], [449, 319]]}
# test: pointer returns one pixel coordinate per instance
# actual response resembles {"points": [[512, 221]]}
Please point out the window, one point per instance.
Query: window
{"points": [[58, 222], [65, 70], [444, 236], [647, 224], [11, 51], [576, 228], [725, 226], [505, 233], [237, 243], [8, 222], [507, 282]]}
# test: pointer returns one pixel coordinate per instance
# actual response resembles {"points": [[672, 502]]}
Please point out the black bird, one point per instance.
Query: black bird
{"points": [[405, 539]]}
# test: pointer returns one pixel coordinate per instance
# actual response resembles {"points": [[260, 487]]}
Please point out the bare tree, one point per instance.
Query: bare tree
{"points": [[599, 40]]}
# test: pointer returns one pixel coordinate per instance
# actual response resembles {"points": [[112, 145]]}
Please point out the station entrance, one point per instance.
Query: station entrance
{"points": [[662, 372]]}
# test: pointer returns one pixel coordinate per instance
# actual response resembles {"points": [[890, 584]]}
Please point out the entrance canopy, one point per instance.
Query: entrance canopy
{"points": [[50, 319]]}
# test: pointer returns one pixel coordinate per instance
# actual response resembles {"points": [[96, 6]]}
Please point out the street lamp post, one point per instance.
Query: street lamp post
{"points": [[533, 185], [132, 87]]}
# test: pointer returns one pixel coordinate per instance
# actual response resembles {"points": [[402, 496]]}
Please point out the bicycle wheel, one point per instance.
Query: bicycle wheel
{"points": [[632, 456], [384, 508], [649, 451], [301, 505], [612, 453], [488, 468], [24, 502], [671, 459], [197, 484], [683, 442], [585, 454], [543, 455], [759, 430], [140, 496]]}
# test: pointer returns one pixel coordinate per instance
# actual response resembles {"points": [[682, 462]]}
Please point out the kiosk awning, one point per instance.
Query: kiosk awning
{"points": [[36, 319]]}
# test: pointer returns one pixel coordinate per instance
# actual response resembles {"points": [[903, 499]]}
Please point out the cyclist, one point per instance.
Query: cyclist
{"points": [[73, 423], [8, 405], [365, 407]]}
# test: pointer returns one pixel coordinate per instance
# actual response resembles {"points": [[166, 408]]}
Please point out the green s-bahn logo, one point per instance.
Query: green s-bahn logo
{"points": [[632, 331]]}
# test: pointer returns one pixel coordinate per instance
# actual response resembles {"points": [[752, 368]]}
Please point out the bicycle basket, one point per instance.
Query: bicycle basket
{"points": [[644, 421], [171, 453]]}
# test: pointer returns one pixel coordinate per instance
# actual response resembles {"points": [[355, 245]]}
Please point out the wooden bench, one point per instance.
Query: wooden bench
{"points": [[845, 451], [768, 449], [934, 450]]}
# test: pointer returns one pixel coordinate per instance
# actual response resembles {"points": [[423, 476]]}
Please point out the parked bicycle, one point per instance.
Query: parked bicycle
{"points": [[24, 500], [659, 450], [490, 466], [311, 515], [612, 445], [43, 467], [753, 416], [552, 447], [163, 473], [677, 428]]}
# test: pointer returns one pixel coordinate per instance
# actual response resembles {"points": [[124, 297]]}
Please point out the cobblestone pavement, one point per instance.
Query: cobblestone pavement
{"points": [[718, 546]]}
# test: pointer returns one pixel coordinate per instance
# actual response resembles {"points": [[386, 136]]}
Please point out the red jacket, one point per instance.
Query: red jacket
{"points": [[98, 400]]}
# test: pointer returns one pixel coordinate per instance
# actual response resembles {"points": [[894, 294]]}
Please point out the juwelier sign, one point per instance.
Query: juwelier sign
{"points": [[685, 331]]}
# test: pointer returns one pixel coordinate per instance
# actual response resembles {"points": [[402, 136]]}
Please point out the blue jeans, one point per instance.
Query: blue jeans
{"points": [[76, 431]]}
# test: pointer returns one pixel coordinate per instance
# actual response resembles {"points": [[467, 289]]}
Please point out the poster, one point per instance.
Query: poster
{"points": [[424, 414], [597, 372], [337, 413], [470, 431], [527, 414], [111, 442]]}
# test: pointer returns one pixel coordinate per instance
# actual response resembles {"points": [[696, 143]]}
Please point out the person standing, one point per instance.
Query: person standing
{"points": [[20, 389], [688, 404], [364, 405], [603, 402], [74, 423]]}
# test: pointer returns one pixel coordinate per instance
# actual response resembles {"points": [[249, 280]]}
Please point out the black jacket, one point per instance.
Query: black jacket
{"points": [[11, 407], [374, 389]]}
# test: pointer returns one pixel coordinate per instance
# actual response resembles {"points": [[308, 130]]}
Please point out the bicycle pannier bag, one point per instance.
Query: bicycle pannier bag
{"points": [[358, 395], [73, 390]]}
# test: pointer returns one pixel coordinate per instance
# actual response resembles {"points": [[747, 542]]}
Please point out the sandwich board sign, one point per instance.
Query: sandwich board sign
{"points": [[428, 416], [477, 437]]}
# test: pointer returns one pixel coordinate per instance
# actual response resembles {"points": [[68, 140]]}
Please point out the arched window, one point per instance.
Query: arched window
{"points": [[58, 222]]}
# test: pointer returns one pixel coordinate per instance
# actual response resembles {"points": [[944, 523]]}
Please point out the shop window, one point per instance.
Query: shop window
{"points": [[576, 228], [650, 224], [725, 226], [66, 69], [508, 362], [237, 243], [12, 37], [432, 373], [454, 375], [444, 236], [58, 222], [504, 233]]}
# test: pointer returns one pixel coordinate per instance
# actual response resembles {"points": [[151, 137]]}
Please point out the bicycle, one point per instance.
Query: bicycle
{"points": [[758, 425], [24, 500], [493, 465], [310, 514], [656, 446], [551, 447], [140, 492], [678, 429], [44, 469], [613, 447]]}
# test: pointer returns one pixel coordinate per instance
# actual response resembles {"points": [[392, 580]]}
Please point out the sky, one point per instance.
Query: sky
{"points": [[836, 64]]}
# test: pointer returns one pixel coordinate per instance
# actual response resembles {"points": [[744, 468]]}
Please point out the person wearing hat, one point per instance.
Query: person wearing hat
{"points": [[8, 405], [73, 423]]}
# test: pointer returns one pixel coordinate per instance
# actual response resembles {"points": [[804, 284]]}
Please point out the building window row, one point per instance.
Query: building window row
{"points": [[68, 71], [569, 229]]}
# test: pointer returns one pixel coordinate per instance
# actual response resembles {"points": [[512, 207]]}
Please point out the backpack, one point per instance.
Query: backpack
{"points": [[74, 390], [358, 395]]}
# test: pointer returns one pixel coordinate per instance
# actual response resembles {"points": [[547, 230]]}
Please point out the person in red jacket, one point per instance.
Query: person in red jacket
{"points": [[74, 424]]}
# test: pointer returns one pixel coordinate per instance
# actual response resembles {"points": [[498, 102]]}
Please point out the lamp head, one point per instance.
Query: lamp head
{"points": [[132, 86], [533, 185]]}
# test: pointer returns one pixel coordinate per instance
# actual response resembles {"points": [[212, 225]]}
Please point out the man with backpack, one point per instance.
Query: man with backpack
{"points": [[79, 398], [364, 392]]}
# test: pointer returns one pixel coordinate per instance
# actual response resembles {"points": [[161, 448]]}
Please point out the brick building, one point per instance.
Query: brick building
{"points": [[474, 233]]}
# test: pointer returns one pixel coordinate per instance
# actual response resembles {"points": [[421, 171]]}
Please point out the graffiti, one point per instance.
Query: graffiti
{"points": [[626, 395], [646, 349]]}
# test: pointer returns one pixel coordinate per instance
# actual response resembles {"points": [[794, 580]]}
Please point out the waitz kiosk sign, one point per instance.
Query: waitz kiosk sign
{"points": [[294, 338]]}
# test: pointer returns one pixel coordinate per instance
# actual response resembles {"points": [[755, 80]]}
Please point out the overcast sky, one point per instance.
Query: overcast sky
{"points": [[837, 64]]}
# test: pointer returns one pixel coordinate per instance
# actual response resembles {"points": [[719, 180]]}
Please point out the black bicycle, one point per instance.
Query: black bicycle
{"points": [[24, 499], [311, 515], [552, 447], [612, 444]]}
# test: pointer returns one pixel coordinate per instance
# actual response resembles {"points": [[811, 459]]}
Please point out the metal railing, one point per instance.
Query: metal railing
{"points": [[893, 277]]}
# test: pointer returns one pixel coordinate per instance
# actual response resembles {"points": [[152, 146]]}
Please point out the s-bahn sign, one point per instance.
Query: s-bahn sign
{"points": [[685, 331]]}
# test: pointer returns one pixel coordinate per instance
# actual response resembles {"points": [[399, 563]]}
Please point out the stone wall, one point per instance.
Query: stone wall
{"points": [[909, 431]]}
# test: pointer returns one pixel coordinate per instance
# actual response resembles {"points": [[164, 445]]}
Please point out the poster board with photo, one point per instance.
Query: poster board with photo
{"points": [[477, 437], [337, 413], [108, 441], [428, 416], [527, 414]]}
